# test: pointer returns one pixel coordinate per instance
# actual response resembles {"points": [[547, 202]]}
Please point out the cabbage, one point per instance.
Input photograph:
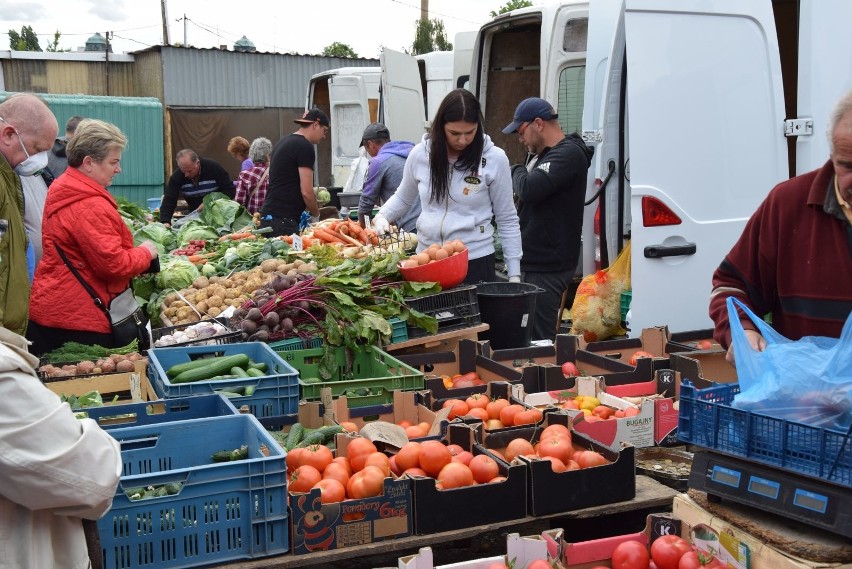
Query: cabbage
{"points": [[224, 214], [195, 229], [159, 234], [175, 272]]}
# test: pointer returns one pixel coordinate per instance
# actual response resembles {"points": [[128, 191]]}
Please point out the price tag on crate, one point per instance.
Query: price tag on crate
{"points": [[136, 386]]}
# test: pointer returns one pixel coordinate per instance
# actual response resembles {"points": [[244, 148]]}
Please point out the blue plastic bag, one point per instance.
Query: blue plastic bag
{"points": [[807, 380]]}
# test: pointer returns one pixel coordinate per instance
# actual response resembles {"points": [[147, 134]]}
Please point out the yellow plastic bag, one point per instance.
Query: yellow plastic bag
{"points": [[596, 312]]}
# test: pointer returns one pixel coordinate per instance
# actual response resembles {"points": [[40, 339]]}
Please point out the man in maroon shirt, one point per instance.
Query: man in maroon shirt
{"points": [[794, 258]]}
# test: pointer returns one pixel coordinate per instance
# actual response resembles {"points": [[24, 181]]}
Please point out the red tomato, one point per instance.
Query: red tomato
{"points": [[539, 564], [527, 417], [330, 490], [463, 457], [458, 408], [318, 456], [639, 354], [408, 456], [603, 411], [484, 468], [518, 447], [358, 450], [494, 407], [630, 555], [303, 479], [556, 465], [433, 457], [454, 475], [477, 400], [379, 460], [479, 413], [366, 483], [569, 369], [507, 413], [704, 344], [557, 447], [591, 458], [337, 472], [698, 560], [667, 550]]}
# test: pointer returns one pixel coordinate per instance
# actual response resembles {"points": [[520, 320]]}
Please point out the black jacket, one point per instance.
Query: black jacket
{"points": [[550, 206]]}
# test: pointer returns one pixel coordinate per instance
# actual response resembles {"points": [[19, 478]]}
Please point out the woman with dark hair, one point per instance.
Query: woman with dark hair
{"points": [[463, 181]]}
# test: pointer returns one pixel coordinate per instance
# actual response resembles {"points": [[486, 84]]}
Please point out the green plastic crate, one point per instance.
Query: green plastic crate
{"points": [[373, 370], [626, 297], [399, 330], [295, 344]]}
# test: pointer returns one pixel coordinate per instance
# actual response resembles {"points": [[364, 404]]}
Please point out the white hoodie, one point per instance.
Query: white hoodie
{"points": [[466, 214]]}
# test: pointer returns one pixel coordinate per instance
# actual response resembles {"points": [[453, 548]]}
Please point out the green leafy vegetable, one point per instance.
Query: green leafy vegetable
{"points": [[158, 233], [77, 352], [175, 272], [224, 214], [131, 210], [195, 229]]}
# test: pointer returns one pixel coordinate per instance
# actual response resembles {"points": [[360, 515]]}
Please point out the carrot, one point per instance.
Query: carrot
{"points": [[326, 235], [194, 259], [241, 236], [358, 233], [306, 242], [332, 226], [347, 239], [287, 239], [371, 235]]}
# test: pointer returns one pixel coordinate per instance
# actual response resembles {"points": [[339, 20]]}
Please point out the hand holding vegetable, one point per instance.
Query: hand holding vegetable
{"points": [[381, 225], [152, 249]]}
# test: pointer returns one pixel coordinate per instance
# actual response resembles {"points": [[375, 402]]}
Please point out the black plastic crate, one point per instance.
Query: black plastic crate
{"points": [[455, 308], [229, 336]]}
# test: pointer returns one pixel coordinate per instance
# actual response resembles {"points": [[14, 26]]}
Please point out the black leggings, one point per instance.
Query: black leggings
{"points": [[45, 339]]}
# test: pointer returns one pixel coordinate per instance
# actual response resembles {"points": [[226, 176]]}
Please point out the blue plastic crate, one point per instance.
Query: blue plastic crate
{"points": [[160, 411], [706, 418], [276, 393], [222, 511]]}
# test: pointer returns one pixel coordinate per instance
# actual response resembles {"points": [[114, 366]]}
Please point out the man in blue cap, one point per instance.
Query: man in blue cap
{"points": [[550, 189]]}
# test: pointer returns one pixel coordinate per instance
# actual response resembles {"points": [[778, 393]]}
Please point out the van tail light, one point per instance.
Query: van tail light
{"points": [[598, 238], [655, 213]]}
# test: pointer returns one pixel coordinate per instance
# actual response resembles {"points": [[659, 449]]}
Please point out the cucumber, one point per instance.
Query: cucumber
{"points": [[260, 366], [239, 372], [249, 390], [294, 437], [221, 456], [178, 369], [217, 367], [254, 372], [320, 436]]}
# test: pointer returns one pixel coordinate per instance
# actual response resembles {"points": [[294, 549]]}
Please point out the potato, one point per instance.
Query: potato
{"points": [[202, 306], [170, 298], [214, 312], [214, 301], [124, 366], [200, 282], [298, 263], [184, 312], [177, 304]]}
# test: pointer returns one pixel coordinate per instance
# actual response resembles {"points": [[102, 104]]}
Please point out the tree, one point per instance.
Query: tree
{"points": [[511, 5], [27, 40], [429, 35], [54, 45], [338, 49]]}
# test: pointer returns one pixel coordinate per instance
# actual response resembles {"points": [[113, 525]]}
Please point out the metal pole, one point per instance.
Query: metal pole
{"points": [[184, 32], [165, 17]]}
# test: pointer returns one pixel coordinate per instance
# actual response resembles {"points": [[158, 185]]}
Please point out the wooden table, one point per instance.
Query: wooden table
{"points": [[440, 342], [483, 541]]}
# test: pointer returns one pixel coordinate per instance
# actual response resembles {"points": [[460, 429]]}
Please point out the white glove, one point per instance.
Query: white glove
{"points": [[314, 219], [380, 224], [514, 279]]}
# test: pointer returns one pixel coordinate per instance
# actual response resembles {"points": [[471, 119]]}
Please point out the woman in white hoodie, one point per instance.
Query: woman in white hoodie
{"points": [[463, 181]]}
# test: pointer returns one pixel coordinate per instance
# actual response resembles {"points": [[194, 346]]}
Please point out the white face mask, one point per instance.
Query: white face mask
{"points": [[33, 165]]}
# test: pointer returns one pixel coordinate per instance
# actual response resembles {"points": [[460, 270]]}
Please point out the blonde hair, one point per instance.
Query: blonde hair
{"points": [[94, 138]]}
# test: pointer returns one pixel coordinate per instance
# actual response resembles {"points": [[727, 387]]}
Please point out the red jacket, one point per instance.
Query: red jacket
{"points": [[82, 218], [794, 260]]}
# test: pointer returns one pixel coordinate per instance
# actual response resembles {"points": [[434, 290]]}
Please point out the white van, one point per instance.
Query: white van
{"points": [[403, 93], [696, 109]]}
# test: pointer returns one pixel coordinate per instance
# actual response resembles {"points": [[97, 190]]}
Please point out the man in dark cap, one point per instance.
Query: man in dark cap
{"points": [[291, 176], [550, 190], [384, 173]]}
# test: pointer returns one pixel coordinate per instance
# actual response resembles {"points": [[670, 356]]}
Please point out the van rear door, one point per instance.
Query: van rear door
{"points": [[349, 102], [704, 104], [823, 37], [402, 108]]}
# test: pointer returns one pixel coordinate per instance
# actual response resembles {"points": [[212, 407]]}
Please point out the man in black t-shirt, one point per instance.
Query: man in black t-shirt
{"points": [[195, 178], [291, 176]]}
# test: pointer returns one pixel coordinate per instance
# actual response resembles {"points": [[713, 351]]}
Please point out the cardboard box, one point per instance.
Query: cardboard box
{"points": [[523, 550], [637, 431], [598, 552], [321, 527], [446, 510], [130, 386], [733, 545], [702, 368], [468, 360], [549, 492]]}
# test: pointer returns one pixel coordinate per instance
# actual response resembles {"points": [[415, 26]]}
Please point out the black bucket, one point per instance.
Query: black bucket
{"points": [[509, 310]]}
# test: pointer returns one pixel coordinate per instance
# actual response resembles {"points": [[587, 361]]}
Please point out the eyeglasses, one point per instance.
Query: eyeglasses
{"points": [[523, 127]]}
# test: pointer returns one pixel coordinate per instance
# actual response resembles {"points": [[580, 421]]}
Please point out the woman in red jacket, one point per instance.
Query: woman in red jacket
{"points": [[82, 219]]}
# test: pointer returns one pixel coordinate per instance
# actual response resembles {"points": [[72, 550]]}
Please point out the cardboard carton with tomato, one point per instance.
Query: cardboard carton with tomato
{"points": [[521, 552]]}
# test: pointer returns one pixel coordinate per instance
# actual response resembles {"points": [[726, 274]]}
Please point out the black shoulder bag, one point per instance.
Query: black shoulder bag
{"points": [[126, 318]]}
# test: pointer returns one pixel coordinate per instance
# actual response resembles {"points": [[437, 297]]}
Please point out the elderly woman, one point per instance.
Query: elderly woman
{"points": [[81, 219], [251, 187]]}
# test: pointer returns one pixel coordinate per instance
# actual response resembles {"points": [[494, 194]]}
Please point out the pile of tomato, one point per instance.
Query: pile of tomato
{"points": [[667, 552], [194, 247], [470, 379]]}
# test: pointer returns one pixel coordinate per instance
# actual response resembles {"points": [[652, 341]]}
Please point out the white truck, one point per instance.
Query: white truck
{"points": [[403, 93], [696, 109]]}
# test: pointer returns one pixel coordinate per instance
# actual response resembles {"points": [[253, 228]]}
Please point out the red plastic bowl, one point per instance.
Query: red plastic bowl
{"points": [[447, 272]]}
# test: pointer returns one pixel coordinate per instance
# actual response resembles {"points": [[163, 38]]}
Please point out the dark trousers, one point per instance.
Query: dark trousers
{"points": [[280, 226], [45, 339], [547, 316], [481, 270]]}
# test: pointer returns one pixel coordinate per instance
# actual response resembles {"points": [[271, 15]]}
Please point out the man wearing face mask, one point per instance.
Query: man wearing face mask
{"points": [[27, 130]]}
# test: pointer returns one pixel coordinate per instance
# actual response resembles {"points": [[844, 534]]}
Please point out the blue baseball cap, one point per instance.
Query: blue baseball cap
{"points": [[529, 110]]}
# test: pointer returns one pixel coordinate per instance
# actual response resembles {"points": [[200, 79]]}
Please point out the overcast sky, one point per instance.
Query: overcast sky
{"points": [[283, 26]]}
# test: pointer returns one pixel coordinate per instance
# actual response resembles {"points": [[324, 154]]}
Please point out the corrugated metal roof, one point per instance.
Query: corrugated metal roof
{"points": [[215, 78]]}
